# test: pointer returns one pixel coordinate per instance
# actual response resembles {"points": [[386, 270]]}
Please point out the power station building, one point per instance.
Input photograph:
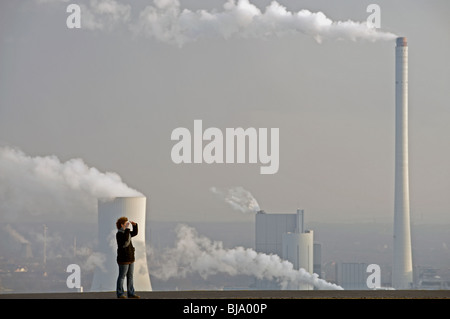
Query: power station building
{"points": [[105, 275], [284, 235]]}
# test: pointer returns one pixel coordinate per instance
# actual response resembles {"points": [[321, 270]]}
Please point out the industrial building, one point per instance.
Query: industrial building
{"points": [[284, 235], [317, 259], [352, 276]]}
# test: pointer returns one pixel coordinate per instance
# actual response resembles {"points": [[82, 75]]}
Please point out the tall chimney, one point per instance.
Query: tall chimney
{"points": [[402, 272]]}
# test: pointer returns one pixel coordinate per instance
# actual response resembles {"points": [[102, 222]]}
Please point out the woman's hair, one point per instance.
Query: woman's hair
{"points": [[120, 221]]}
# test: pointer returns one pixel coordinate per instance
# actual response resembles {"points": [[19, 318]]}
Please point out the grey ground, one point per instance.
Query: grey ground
{"points": [[249, 294]]}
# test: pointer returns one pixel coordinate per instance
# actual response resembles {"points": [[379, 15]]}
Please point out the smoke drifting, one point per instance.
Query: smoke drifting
{"points": [[14, 234], [37, 186], [168, 22], [197, 254], [238, 198]]}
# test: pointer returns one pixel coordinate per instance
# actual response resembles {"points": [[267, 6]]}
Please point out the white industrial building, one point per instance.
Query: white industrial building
{"points": [[284, 235], [105, 275]]}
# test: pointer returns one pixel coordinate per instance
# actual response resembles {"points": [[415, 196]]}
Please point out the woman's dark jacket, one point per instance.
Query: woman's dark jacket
{"points": [[125, 249]]}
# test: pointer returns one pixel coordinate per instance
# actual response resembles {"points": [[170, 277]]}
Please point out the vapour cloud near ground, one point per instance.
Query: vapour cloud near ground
{"points": [[198, 254]]}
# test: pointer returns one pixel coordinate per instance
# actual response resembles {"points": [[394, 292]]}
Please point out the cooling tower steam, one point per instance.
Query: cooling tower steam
{"points": [[197, 254], [43, 185], [168, 22], [238, 198]]}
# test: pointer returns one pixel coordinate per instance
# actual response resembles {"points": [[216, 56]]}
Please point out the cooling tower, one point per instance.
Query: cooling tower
{"points": [[105, 276], [402, 272]]}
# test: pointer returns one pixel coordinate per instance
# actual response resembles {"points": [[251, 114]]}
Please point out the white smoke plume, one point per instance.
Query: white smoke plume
{"points": [[43, 185], [104, 14], [168, 22], [13, 233], [198, 254], [94, 260], [239, 198]]}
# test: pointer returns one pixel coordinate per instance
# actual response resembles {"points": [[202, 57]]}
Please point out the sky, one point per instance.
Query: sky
{"points": [[112, 92]]}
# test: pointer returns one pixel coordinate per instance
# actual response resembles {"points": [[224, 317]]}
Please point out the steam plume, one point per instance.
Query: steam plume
{"points": [[197, 254], [167, 22], [13, 233], [238, 198], [45, 185]]}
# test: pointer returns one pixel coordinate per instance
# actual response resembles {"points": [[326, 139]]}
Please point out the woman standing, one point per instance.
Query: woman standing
{"points": [[125, 256]]}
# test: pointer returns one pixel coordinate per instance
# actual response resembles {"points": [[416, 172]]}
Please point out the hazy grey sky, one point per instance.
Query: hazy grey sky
{"points": [[112, 97]]}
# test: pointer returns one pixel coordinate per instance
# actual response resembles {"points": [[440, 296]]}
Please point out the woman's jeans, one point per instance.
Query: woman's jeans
{"points": [[125, 271]]}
